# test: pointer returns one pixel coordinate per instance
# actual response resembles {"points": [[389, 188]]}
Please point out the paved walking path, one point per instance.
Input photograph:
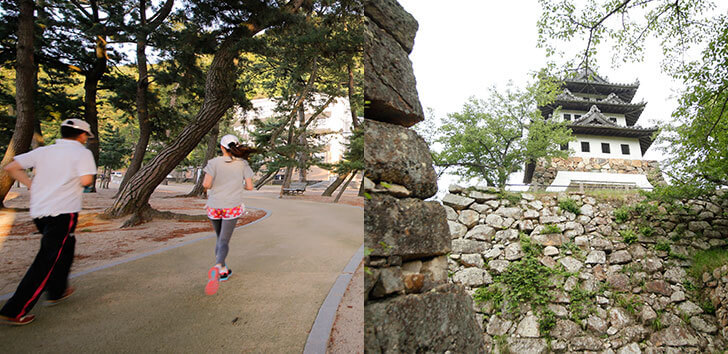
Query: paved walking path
{"points": [[284, 267]]}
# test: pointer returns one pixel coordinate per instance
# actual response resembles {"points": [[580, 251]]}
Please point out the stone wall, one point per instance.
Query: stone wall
{"points": [[409, 305], [614, 277], [545, 172]]}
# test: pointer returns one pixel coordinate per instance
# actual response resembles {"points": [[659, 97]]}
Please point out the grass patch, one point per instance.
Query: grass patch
{"points": [[569, 205], [628, 236], [512, 197], [551, 229], [662, 246], [707, 261], [573, 248]]}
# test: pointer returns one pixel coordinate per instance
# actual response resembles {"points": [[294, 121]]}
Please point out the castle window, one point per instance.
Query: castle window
{"points": [[577, 116], [567, 116], [613, 119], [564, 147], [605, 148], [625, 149], [584, 146]]}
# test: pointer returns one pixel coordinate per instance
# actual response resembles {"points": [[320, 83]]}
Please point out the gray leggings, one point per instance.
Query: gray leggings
{"points": [[224, 230]]}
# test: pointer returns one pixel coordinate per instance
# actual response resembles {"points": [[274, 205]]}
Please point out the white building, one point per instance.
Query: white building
{"points": [[609, 146], [335, 121]]}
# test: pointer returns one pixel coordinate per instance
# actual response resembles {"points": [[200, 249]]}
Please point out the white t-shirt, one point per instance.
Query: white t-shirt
{"points": [[228, 176], [56, 187]]}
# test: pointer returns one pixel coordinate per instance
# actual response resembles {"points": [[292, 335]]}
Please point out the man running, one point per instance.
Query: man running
{"points": [[61, 172]]}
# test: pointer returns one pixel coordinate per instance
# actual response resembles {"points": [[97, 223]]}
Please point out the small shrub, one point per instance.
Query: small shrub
{"points": [[621, 214], [583, 304], [551, 229], [646, 230], [573, 248], [707, 261], [629, 303], [546, 322], [569, 205], [662, 246], [708, 307], [628, 236]]}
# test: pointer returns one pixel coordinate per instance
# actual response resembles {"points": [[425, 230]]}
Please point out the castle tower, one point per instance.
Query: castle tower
{"points": [[609, 146]]}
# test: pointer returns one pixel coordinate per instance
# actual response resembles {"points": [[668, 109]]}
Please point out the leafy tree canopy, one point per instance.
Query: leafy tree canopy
{"points": [[493, 138]]}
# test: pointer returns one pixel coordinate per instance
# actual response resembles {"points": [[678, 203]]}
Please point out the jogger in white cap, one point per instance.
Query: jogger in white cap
{"points": [[61, 171], [224, 178]]}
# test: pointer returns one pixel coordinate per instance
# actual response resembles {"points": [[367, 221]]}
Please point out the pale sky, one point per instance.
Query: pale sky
{"points": [[466, 46]]}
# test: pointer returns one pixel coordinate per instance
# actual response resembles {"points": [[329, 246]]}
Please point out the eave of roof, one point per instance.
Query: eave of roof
{"points": [[631, 111], [624, 91]]}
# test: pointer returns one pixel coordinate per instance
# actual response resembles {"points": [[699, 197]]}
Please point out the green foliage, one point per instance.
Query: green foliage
{"points": [[621, 214], [569, 205], [628, 236], [114, 148], [551, 229], [491, 139], [523, 281], [631, 303], [573, 248], [707, 306], [646, 230], [583, 304], [512, 197], [662, 246], [707, 261], [546, 322]]}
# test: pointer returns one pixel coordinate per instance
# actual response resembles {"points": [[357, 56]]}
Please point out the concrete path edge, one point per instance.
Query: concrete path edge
{"points": [[320, 332]]}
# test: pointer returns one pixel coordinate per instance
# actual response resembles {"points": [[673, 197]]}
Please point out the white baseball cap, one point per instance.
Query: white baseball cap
{"points": [[227, 139], [78, 124]]}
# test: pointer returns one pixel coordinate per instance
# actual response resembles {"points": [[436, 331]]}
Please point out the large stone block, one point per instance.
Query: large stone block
{"points": [[434, 322], [390, 87], [398, 155], [390, 16], [410, 228]]}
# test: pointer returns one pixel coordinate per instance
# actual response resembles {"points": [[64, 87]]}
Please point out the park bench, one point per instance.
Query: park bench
{"points": [[295, 188]]}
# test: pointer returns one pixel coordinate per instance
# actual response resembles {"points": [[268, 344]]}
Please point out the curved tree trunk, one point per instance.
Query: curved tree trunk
{"points": [[332, 187], [343, 189], [198, 190], [134, 197], [145, 126], [263, 180], [90, 87], [24, 97]]}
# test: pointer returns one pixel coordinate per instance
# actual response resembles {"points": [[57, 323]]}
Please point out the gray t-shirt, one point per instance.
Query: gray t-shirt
{"points": [[228, 180]]}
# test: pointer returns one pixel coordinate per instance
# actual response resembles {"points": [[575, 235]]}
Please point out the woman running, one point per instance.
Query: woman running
{"points": [[224, 176]]}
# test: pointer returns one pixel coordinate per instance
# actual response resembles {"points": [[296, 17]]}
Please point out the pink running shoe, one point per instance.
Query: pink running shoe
{"points": [[214, 281]]}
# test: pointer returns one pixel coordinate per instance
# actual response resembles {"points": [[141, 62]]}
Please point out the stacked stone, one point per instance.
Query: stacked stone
{"points": [[545, 172], [717, 282], [486, 231], [409, 305]]}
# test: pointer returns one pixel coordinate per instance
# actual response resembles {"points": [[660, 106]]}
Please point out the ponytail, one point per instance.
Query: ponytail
{"points": [[240, 150]]}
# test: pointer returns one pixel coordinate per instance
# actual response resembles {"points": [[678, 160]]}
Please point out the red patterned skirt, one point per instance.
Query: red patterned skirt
{"points": [[225, 213]]}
